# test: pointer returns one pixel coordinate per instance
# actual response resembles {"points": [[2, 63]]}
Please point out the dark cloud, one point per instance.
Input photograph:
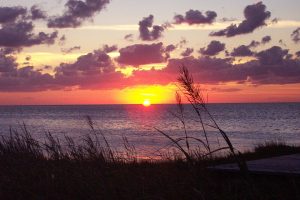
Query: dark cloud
{"points": [[87, 64], [140, 54], [37, 13], [297, 54], [77, 12], [26, 79], [213, 48], [107, 49], [187, 52], [253, 44], [225, 19], [216, 70], [9, 50], [7, 62], [62, 40], [272, 56], [255, 17], [10, 14], [96, 70], [20, 34], [170, 48], [281, 42], [296, 35], [28, 58], [242, 50], [70, 50], [266, 39], [92, 71], [129, 37], [212, 70], [196, 17], [182, 43], [144, 28], [13, 78]]}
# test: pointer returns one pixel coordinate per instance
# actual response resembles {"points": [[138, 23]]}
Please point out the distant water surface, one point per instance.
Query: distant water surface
{"points": [[246, 124]]}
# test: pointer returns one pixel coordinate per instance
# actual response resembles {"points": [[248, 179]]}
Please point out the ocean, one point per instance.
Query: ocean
{"points": [[247, 125]]}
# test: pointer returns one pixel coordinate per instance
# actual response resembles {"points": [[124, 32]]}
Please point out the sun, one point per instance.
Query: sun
{"points": [[146, 103]]}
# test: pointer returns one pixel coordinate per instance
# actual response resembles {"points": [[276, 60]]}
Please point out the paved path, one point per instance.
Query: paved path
{"points": [[289, 164]]}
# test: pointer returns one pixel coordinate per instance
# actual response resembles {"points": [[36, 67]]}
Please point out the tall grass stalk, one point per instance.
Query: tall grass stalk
{"points": [[194, 95]]}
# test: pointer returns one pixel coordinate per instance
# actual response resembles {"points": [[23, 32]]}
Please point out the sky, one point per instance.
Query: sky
{"points": [[129, 51]]}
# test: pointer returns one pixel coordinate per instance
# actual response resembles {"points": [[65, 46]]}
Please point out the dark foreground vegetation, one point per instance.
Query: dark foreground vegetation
{"points": [[33, 170]]}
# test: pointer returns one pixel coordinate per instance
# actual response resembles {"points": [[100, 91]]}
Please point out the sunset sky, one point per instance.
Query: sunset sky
{"points": [[127, 51]]}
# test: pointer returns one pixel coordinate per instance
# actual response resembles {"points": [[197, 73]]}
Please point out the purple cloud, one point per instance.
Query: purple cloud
{"points": [[296, 35], [20, 34], [213, 48], [149, 35], [170, 48], [77, 12], [10, 14], [107, 49], [140, 54], [255, 17], [187, 52], [272, 56], [129, 37], [196, 17], [37, 13], [266, 39], [70, 50], [241, 51]]}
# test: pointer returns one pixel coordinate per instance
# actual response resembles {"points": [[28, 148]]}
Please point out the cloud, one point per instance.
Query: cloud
{"points": [[241, 51], [96, 70], [92, 71], [272, 56], [297, 54], [170, 48], [253, 44], [213, 48], [20, 34], [7, 62], [37, 13], [141, 54], [255, 17], [187, 52], [296, 35], [10, 14], [196, 17], [70, 50], [62, 40], [266, 39], [212, 70], [149, 35], [26, 78], [216, 70], [129, 37], [77, 12], [108, 49]]}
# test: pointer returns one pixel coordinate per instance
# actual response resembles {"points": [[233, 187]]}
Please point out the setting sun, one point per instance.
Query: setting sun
{"points": [[146, 103]]}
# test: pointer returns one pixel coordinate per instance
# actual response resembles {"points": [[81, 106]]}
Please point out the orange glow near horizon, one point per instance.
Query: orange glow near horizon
{"points": [[156, 94]]}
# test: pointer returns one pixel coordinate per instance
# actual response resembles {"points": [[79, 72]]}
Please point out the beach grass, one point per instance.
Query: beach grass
{"points": [[30, 169]]}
